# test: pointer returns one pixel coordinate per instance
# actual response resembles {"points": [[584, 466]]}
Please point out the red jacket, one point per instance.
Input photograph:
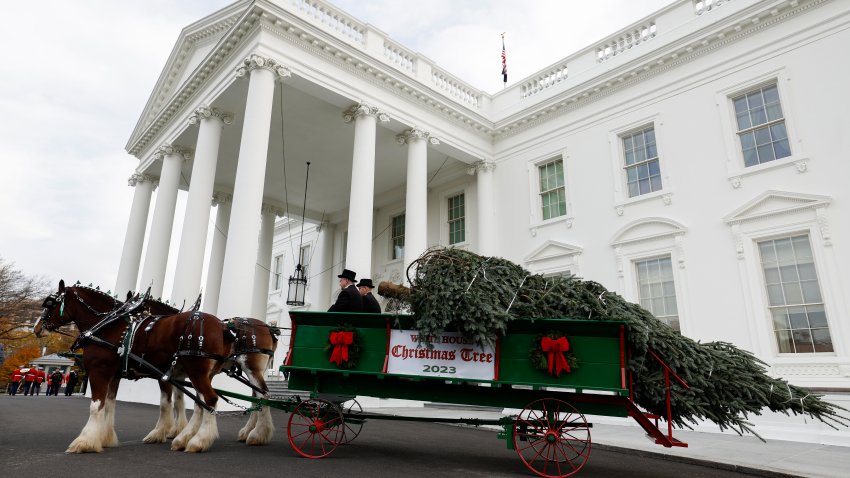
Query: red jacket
{"points": [[17, 375], [40, 376], [30, 375]]}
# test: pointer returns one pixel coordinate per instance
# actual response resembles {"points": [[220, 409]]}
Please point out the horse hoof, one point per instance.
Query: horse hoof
{"points": [[154, 438], [81, 447]]}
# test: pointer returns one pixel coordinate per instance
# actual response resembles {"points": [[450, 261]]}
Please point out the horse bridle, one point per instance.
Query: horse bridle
{"points": [[48, 305]]}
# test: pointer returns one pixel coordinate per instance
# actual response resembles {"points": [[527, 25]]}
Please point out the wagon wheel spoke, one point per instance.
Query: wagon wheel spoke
{"points": [[315, 420], [556, 433]]}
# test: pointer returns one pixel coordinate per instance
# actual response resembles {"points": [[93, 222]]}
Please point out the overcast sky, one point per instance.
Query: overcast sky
{"points": [[76, 76]]}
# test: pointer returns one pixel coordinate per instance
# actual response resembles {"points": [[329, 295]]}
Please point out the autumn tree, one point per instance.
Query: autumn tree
{"points": [[21, 296]]}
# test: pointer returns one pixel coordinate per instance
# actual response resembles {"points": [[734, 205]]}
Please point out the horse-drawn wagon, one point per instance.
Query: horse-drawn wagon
{"points": [[553, 371]]}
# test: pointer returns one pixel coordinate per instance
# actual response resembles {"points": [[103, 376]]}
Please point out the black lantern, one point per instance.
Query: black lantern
{"points": [[297, 287], [298, 281]]}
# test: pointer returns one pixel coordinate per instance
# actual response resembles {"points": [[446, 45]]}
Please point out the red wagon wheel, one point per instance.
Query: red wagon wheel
{"points": [[552, 438], [315, 428], [353, 423]]}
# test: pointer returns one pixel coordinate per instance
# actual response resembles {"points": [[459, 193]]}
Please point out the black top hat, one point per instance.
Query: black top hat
{"points": [[347, 274], [365, 283]]}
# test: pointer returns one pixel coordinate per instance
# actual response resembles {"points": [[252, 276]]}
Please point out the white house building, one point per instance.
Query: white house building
{"points": [[694, 162]]}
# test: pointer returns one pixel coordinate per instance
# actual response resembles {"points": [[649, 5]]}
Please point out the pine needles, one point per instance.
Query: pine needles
{"points": [[478, 296]]}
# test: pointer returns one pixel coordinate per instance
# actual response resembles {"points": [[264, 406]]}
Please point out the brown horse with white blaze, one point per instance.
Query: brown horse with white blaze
{"points": [[193, 344]]}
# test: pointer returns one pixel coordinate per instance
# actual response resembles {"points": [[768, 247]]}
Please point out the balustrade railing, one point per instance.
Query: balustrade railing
{"points": [[461, 91], [399, 56], [543, 80], [332, 18], [703, 6], [626, 40]]}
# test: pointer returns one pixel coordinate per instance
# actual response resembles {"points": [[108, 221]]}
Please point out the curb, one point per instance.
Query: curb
{"points": [[697, 461]]}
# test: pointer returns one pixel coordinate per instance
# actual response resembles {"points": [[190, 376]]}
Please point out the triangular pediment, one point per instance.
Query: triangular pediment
{"points": [[193, 45], [647, 228], [771, 203], [552, 250]]}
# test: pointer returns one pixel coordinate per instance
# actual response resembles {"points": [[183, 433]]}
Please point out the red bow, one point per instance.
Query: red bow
{"points": [[341, 341], [556, 348]]}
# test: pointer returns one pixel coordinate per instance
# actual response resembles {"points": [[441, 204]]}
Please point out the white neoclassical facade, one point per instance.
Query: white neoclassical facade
{"points": [[694, 162]]}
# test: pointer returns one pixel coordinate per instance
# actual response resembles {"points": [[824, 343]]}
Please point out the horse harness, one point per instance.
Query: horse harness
{"points": [[190, 344]]}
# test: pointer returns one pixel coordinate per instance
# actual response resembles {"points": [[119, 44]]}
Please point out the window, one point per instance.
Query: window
{"points": [[277, 272], [457, 219], [397, 237], [552, 194], [761, 126], [643, 171], [793, 293], [656, 291], [304, 259]]}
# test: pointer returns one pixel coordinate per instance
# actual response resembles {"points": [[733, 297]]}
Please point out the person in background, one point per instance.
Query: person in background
{"points": [[29, 378], [349, 299], [370, 303], [40, 376], [16, 377], [70, 382], [55, 383]]}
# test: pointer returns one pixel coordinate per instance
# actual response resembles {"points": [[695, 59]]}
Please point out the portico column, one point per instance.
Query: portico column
{"points": [[359, 248], [263, 264], [190, 256], [416, 205], [222, 220], [486, 208], [131, 255], [156, 256], [321, 270], [241, 251]]}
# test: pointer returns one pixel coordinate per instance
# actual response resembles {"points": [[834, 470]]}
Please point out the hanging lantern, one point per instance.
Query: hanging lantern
{"points": [[298, 282], [297, 287]]}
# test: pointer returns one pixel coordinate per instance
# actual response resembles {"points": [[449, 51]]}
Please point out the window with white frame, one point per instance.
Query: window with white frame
{"points": [[553, 198], [277, 272], [761, 126], [794, 297], [304, 259], [397, 237], [457, 219], [656, 290], [642, 167]]}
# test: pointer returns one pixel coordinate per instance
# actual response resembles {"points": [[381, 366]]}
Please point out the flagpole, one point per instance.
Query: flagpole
{"points": [[504, 64]]}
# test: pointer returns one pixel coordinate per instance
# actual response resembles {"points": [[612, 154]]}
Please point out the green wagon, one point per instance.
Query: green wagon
{"points": [[554, 371]]}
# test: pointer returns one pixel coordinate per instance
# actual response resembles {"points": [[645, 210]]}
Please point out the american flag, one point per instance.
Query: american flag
{"points": [[504, 61]]}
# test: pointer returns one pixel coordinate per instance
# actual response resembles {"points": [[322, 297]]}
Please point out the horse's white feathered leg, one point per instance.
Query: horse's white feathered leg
{"points": [[180, 441], [110, 438], [165, 423], [89, 439], [179, 413], [206, 435]]}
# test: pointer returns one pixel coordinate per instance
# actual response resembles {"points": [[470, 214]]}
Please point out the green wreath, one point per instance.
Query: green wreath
{"points": [[556, 343], [344, 347]]}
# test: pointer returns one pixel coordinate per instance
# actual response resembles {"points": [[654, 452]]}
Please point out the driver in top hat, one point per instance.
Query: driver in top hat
{"points": [[349, 299]]}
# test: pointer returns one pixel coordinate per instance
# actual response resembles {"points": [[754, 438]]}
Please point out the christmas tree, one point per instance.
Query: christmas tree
{"points": [[478, 296]]}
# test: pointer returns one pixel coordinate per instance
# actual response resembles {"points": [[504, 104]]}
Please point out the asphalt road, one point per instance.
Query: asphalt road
{"points": [[35, 431]]}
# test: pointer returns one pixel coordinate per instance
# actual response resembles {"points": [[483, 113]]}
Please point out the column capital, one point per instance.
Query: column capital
{"points": [[167, 149], [363, 109], [414, 134], [481, 166], [203, 112], [219, 197], [137, 178], [269, 209], [255, 61]]}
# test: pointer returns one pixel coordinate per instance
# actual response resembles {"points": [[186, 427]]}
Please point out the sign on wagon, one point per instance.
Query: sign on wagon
{"points": [[452, 356]]}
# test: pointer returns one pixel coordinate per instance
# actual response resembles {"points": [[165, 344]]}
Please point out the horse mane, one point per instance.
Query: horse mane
{"points": [[107, 294]]}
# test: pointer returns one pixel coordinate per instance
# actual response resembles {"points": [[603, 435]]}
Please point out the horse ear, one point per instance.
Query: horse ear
{"points": [[129, 296], [61, 286]]}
